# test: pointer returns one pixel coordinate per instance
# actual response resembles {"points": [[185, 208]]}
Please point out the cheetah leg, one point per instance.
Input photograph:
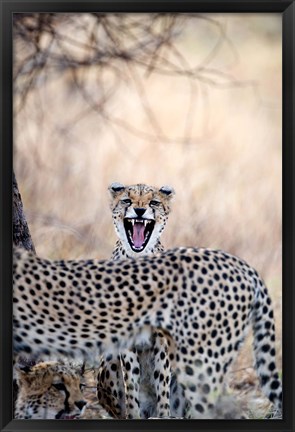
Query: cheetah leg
{"points": [[162, 374], [201, 387], [110, 387], [177, 399], [131, 377]]}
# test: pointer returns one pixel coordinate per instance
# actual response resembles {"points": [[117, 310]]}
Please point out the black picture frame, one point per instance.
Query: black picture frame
{"points": [[8, 7]]}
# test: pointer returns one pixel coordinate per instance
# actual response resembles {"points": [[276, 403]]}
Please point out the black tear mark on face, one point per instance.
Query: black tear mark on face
{"points": [[62, 387]]}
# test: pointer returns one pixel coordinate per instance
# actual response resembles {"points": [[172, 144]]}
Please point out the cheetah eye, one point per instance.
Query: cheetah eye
{"points": [[60, 386], [82, 386], [126, 201], [154, 203]]}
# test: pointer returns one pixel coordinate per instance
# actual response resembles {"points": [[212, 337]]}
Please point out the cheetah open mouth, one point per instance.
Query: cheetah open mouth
{"points": [[138, 232]]}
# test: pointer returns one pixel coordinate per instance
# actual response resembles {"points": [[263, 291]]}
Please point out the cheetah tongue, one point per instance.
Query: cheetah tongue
{"points": [[138, 234]]}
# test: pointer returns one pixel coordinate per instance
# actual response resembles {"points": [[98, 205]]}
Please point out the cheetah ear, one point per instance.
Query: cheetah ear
{"points": [[25, 369], [24, 365], [115, 188], [168, 191]]}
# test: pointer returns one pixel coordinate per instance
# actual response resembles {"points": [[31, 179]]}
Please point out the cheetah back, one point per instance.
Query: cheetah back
{"points": [[205, 299]]}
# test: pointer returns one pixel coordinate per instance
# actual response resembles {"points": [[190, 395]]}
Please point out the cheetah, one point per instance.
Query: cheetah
{"points": [[49, 390], [205, 299], [139, 213]]}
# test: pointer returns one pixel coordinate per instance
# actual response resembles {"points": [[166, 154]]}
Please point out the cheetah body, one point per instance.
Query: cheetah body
{"points": [[205, 299]]}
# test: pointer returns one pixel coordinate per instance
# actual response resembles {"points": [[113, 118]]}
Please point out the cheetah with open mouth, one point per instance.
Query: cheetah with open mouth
{"points": [[140, 378]]}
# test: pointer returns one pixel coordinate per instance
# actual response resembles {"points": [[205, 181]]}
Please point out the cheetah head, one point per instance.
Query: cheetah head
{"points": [[140, 213], [49, 390]]}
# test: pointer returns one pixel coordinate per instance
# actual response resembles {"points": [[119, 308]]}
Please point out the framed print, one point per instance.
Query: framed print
{"points": [[147, 215]]}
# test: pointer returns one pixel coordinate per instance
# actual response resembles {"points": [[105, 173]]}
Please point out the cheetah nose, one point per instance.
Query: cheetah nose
{"points": [[80, 404], [139, 211]]}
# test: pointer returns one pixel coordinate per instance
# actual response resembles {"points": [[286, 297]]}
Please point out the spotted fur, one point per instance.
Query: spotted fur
{"points": [[140, 204], [49, 390], [205, 299], [139, 379]]}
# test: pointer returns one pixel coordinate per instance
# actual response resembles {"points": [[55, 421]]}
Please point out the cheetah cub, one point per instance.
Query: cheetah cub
{"points": [[49, 390]]}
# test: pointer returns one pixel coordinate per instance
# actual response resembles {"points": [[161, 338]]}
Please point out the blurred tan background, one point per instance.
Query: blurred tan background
{"points": [[202, 115]]}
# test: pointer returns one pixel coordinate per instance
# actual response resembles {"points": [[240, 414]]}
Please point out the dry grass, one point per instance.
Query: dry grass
{"points": [[217, 143]]}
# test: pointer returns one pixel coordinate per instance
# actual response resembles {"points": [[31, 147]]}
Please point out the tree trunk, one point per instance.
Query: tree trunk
{"points": [[21, 237], [21, 232]]}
